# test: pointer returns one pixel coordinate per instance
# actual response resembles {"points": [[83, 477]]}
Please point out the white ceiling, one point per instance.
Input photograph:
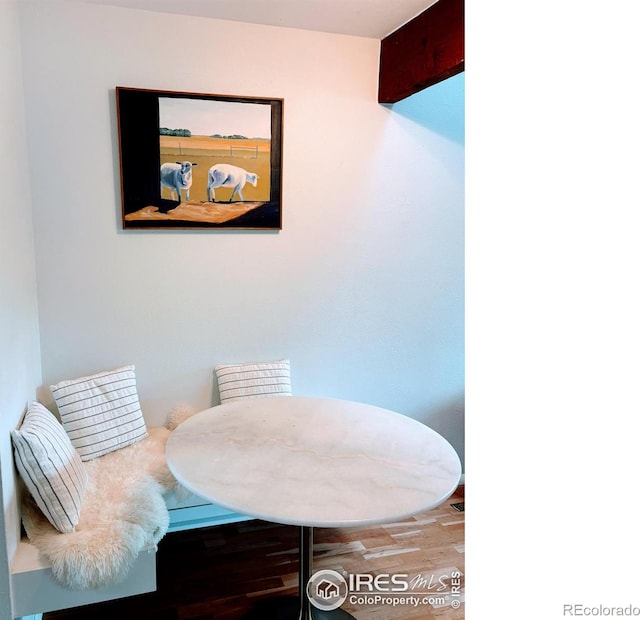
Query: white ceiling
{"points": [[365, 18]]}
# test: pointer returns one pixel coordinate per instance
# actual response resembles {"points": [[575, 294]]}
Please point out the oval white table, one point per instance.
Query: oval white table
{"points": [[313, 462]]}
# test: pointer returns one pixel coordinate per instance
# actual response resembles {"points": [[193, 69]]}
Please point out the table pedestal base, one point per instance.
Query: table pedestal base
{"points": [[298, 608]]}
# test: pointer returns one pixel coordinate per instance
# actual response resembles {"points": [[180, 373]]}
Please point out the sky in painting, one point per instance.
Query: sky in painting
{"points": [[204, 117]]}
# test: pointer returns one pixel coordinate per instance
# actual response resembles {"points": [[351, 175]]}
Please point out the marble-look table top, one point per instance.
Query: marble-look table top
{"points": [[316, 462]]}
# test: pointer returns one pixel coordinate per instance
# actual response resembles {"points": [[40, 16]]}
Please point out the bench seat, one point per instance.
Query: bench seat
{"points": [[36, 591], [34, 588]]}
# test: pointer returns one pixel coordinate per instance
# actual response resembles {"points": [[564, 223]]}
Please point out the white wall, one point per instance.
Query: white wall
{"points": [[19, 344], [363, 287]]}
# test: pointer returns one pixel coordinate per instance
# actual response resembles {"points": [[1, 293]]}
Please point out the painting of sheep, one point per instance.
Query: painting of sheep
{"points": [[199, 161]]}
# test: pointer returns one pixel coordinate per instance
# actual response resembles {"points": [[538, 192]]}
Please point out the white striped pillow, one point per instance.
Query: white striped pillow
{"points": [[253, 380], [101, 413], [50, 467]]}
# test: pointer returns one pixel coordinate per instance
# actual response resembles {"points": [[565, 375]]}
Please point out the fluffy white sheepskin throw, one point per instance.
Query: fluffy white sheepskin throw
{"points": [[178, 415], [123, 513]]}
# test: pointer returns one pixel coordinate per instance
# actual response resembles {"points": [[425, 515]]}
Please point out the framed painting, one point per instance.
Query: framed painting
{"points": [[198, 161]]}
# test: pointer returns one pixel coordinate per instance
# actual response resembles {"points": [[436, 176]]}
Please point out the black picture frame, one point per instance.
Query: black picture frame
{"points": [[199, 161]]}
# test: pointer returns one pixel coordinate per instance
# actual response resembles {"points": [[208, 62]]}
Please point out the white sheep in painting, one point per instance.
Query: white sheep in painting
{"points": [[177, 176], [226, 175]]}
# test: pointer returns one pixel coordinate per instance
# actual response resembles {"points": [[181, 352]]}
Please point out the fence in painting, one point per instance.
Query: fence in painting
{"points": [[247, 152]]}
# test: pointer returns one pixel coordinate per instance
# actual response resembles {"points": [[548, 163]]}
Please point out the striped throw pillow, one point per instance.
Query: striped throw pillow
{"points": [[253, 380], [101, 413], [50, 467]]}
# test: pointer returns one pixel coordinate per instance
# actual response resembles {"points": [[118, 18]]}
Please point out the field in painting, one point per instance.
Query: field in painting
{"points": [[254, 155]]}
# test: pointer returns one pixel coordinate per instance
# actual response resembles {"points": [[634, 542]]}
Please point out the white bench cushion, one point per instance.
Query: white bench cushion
{"points": [[101, 413], [253, 380], [50, 467]]}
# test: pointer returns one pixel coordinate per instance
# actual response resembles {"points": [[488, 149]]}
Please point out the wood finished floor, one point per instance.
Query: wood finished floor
{"points": [[220, 573]]}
